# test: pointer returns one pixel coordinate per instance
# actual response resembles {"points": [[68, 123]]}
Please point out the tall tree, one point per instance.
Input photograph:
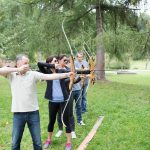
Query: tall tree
{"points": [[35, 25]]}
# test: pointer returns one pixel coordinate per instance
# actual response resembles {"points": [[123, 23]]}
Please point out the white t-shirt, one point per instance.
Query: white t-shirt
{"points": [[24, 92]]}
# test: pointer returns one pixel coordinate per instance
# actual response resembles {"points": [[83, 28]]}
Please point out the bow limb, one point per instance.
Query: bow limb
{"points": [[67, 38], [91, 64], [72, 68], [92, 68], [88, 55], [92, 73]]}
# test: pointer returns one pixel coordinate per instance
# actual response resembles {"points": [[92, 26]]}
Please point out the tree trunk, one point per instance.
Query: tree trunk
{"points": [[100, 53]]}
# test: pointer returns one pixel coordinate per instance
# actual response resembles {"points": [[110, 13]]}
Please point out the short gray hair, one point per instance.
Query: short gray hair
{"points": [[20, 56], [80, 53]]}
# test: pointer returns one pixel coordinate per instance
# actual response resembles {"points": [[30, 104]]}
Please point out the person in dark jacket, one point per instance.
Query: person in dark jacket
{"points": [[75, 96], [57, 95], [63, 61]]}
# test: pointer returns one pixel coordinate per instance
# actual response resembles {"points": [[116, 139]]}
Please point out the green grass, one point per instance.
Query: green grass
{"points": [[139, 65], [125, 103]]}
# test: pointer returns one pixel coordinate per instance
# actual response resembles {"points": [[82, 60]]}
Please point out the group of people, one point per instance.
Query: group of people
{"points": [[61, 99]]}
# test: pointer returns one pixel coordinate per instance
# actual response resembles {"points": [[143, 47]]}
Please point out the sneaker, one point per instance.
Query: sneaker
{"points": [[68, 146], [81, 123], [73, 135], [46, 144], [59, 133]]}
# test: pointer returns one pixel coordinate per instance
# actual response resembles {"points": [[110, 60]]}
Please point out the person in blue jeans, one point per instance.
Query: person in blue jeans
{"points": [[78, 64], [84, 99], [24, 99], [33, 121], [77, 97]]}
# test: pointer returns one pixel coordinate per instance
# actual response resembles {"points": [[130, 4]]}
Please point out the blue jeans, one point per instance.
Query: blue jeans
{"points": [[33, 121], [77, 99], [84, 100]]}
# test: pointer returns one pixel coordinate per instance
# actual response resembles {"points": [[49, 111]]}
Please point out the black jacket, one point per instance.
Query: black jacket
{"points": [[45, 68], [64, 83]]}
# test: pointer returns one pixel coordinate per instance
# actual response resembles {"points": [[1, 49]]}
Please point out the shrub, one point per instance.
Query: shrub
{"points": [[119, 65]]}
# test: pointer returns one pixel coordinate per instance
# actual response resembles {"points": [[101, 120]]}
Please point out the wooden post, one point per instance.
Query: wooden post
{"points": [[91, 134]]}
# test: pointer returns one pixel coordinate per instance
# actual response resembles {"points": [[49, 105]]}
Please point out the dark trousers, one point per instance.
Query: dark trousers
{"points": [[76, 96], [33, 121], [71, 118], [54, 108]]}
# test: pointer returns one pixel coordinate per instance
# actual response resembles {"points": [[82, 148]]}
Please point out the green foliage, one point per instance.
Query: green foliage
{"points": [[118, 44], [119, 64], [32, 26]]}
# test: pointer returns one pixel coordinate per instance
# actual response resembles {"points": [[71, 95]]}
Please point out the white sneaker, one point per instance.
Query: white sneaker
{"points": [[73, 135], [59, 133], [81, 123]]}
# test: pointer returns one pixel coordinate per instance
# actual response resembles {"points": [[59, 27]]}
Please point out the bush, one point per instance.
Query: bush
{"points": [[34, 66], [119, 65]]}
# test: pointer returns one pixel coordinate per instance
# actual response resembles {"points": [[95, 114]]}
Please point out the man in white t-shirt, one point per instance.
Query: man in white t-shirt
{"points": [[24, 99]]}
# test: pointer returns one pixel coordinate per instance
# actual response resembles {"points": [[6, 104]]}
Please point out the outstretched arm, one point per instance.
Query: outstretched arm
{"points": [[55, 76], [44, 66], [7, 70]]}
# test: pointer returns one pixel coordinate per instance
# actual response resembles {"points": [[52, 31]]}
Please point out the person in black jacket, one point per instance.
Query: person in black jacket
{"points": [[57, 94], [63, 62], [75, 97]]}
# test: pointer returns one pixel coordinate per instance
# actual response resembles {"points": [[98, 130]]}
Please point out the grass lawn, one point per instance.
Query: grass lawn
{"points": [[139, 65], [125, 103]]}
